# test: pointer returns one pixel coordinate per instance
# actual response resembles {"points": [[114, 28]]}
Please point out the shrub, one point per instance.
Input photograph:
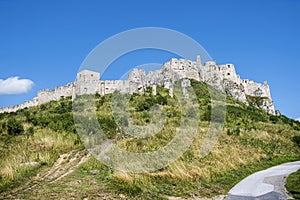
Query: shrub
{"points": [[145, 104], [229, 132], [296, 128], [108, 126], [274, 119], [219, 114], [14, 127], [30, 131], [296, 139], [237, 131], [162, 100]]}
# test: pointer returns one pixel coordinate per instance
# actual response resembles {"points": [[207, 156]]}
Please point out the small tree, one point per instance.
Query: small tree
{"points": [[14, 127], [296, 139]]}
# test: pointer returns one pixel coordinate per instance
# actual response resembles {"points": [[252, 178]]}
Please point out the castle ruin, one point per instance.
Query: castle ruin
{"points": [[222, 77]]}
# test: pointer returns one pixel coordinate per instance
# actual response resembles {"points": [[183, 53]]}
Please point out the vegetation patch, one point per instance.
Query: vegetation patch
{"points": [[251, 140], [292, 184]]}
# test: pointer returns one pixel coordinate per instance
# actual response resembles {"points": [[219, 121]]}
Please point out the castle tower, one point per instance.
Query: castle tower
{"points": [[87, 75], [198, 61]]}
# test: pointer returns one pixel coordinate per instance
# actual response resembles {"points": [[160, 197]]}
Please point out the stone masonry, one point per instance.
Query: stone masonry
{"points": [[222, 77]]}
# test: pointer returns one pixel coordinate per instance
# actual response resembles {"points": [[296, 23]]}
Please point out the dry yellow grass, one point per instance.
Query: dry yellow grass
{"points": [[8, 171], [226, 155], [42, 147]]}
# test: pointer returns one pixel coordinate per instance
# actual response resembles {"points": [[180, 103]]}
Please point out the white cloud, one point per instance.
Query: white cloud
{"points": [[298, 119], [14, 85]]}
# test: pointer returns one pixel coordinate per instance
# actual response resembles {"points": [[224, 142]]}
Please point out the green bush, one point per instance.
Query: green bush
{"points": [[274, 119], [145, 104], [229, 132], [162, 100], [108, 126], [237, 131], [296, 139], [206, 115], [14, 127], [30, 131]]}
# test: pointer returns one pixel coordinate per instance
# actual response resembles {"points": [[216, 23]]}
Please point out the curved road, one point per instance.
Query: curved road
{"points": [[268, 184]]}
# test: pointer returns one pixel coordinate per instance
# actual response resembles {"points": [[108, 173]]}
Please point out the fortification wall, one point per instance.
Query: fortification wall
{"points": [[228, 72], [154, 78], [87, 87], [222, 77], [26, 104], [109, 86], [184, 68], [56, 93], [211, 74]]}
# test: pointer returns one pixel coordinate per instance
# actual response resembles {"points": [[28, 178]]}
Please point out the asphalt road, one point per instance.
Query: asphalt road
{"points": [[268, 184]]}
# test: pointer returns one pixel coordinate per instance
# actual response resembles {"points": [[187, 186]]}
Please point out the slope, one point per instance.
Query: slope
{"points": [[34, 140]]}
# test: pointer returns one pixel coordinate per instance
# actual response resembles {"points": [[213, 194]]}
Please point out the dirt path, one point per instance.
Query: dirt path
{"points": [[64, 166]]}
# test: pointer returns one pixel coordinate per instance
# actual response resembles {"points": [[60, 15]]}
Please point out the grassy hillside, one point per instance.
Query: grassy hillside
{"points": [[32, 140], [292, 184]]}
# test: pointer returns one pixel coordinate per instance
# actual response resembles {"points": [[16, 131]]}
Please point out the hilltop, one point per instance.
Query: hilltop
{"points": [[42, 154], [223, 77]]}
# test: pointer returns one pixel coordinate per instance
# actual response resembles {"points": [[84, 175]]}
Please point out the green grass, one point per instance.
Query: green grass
{"points": [[78, 185], [43, 139], [251, 140], [292, 184], [44, 147]]}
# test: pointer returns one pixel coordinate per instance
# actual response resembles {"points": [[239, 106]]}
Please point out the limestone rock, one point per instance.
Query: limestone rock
{"points": [[32, 164], [235, 90], [277, 112]]}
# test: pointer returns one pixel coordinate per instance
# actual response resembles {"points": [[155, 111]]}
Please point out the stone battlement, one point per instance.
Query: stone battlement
{"points": [[222, 77]]}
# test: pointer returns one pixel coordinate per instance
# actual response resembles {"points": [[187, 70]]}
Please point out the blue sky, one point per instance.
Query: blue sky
{"points": [[46, 41]]}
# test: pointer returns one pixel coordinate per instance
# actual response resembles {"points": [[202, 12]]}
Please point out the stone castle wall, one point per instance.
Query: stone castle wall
{"points": [[56, 93], [222, 77], [26, 104]]}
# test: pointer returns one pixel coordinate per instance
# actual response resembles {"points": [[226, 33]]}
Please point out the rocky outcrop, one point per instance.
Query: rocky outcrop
{"points": [[235, 90]]}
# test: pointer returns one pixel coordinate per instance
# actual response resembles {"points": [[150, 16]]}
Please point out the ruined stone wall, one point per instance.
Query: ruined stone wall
{"points": [[222, 77], [137, 80], [154, 78], [87, 87], [56, 93], [184, 69], [109, 86], [211, 74], [228, 72], [26, 104]]}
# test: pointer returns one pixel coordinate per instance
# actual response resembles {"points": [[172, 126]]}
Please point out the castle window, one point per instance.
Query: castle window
{"points": [[228, 66], [228, 74]]}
